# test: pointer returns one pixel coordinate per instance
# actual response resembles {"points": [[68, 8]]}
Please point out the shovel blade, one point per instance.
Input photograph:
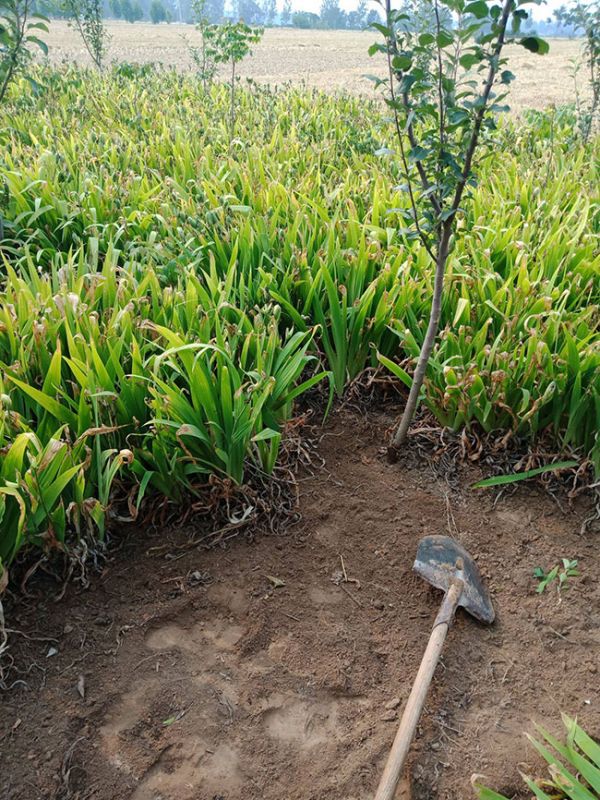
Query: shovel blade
{"points": [[442, 560]]}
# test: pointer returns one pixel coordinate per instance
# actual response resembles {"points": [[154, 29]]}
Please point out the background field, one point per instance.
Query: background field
{"points": [[326, 59]]}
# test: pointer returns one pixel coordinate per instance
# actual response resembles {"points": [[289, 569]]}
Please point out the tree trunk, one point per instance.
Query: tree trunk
{"points": [[432, 329]]}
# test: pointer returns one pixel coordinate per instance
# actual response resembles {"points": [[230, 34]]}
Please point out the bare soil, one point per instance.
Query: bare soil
{"points": [[330, 60], [255, 671]]}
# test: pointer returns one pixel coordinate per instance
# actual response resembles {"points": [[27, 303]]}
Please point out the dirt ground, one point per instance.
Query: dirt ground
{"points": [[331, 60], [255, 671]]}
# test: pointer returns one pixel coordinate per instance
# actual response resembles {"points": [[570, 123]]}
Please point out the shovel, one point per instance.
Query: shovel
{"points": [[447, 566]]}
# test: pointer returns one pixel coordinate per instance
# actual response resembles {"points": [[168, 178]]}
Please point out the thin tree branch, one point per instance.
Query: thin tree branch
{"points": [[392, 47], [79, 24], [420, 168], [94, 55], [441, 105], [483, 101], [457, 47]]}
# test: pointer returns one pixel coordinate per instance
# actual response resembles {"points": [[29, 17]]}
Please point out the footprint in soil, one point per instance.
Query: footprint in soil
{"points": [[131, 736], [299, 723], [189, 770], [201, 759], [128, 713], [220, 634]]}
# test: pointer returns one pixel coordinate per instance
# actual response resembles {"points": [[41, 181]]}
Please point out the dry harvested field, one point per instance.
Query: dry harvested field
{"points": [[326, 59]]}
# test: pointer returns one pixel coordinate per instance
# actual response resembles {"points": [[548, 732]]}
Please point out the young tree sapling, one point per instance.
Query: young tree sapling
{"points": [[19, 27], [440, 89]]}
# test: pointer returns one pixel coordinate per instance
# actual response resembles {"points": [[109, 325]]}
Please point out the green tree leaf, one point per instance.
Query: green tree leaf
{"points": [[535, 45], [468, 60], [444, 39], [401, 62], [418, 153], [479, 9]]}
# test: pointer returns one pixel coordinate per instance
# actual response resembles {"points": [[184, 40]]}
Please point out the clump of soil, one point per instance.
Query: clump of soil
{"points": [[278, 668]]}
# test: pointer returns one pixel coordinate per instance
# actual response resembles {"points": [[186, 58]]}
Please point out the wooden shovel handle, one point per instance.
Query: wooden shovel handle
{"points": [[416, 700]]}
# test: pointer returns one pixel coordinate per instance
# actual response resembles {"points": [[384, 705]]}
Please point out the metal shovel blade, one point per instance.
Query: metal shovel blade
{"points": [[442, 560]]}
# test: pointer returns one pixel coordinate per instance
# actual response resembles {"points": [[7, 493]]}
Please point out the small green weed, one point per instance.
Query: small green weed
{"points": [[567, 568]]}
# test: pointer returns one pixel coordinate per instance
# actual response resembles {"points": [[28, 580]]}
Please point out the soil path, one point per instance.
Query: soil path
{"points": [[256, 672]]}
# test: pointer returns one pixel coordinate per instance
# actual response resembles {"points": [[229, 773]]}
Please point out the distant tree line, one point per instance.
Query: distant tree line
{"points": [[332, 16], [254, 12], [266, 13]]}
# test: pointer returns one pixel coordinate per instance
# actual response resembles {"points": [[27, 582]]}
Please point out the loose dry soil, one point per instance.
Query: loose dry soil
{"points": [[330, 60], [252, 671]]}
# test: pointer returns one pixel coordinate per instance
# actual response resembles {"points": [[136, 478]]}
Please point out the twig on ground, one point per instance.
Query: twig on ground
{"points": [[67, 767], [350, 595]]}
